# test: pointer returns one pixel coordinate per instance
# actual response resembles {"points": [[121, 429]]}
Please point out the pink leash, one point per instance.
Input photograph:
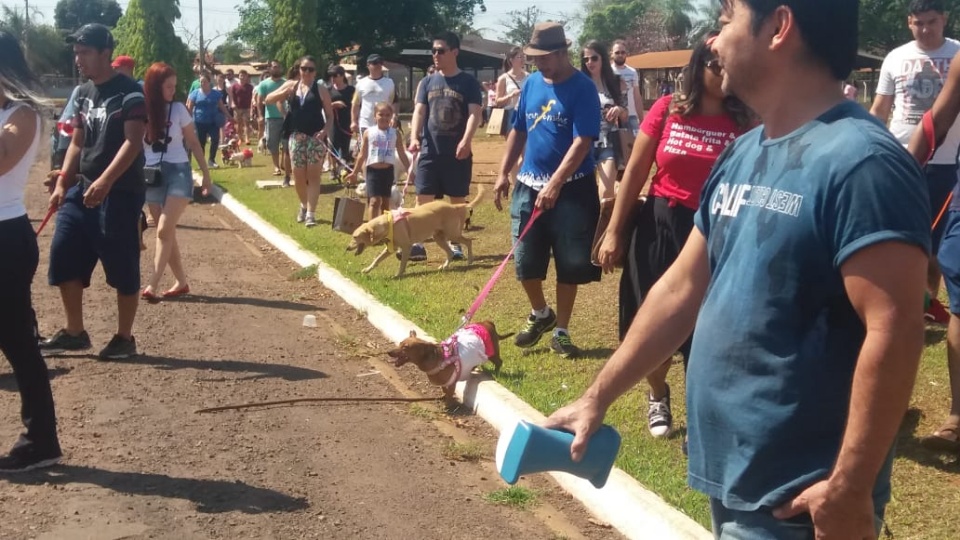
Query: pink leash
{"points": [[468, 316], [46, 218]]}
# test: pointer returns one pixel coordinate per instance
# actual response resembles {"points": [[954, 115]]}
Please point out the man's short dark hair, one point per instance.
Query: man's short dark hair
{"points": [[830, 28], [922, 6], [452, 40]]}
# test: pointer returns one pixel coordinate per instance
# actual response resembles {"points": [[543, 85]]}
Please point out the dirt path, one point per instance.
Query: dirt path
{"points": [[141, 463]]}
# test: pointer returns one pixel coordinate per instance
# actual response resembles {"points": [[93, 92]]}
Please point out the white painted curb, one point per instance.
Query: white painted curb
{"points": [[623, 503]]}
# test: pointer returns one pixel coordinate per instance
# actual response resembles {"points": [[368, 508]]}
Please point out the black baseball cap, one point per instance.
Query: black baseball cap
{"points": [[374, 59], [93, 35]]}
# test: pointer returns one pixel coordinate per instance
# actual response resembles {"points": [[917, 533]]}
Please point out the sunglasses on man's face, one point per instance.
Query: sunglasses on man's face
{"points": [[588, 59], [439, 51]]}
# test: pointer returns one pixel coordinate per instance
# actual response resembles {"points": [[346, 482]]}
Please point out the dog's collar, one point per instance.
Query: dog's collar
{"points": [[451, 356]]}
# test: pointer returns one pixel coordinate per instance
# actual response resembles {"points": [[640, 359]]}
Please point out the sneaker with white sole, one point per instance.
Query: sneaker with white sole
{"points": [[24, 459], [534, 329], [659, 417], [310, 221], [62, 342], [119, 348], [457, 252], [302, 215], [561, 344], [418, 253]]}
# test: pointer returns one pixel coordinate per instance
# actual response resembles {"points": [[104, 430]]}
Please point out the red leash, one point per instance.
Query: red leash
{"points": [[468, 316], [50, 212]]}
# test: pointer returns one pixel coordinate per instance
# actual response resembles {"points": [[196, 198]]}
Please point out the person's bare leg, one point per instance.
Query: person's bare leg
{"points": [[300, 183], [424, 199], [126, 313], [566, 296], [534, 290], [933, 277], [953, 368], [167, 237], [176, 266], [313, 172], [376, 206], [71, 294], [276, 160], [606, 178], [658, 381]]}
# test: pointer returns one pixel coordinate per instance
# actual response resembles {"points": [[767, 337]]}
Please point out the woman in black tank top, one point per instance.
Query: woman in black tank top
{"points": [[310, 126]]}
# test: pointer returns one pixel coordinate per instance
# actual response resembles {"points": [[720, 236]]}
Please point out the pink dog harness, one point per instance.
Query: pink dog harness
{"points": [[476, 348]]}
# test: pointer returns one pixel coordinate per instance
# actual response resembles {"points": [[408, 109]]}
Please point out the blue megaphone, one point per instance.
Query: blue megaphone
{"points": [[528, 448]]}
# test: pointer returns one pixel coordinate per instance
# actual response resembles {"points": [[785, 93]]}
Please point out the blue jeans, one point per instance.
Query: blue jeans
{"points": [[761, 525], [212, 131]]}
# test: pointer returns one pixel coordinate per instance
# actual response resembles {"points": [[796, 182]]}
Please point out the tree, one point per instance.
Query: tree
{"points": [[520, 24], [72, 14], [609, 20], [145, 32], [883, 23], [255, 28], [229, 52], [322, 27], [706, 21], [677, 20], [47, 53]]}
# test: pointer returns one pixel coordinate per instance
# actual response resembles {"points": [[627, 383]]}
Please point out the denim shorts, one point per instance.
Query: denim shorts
{"points": [[601, 154], [379, 182], [566, 230], [108, 233], [761, 525], [634, 123], [177, 182], [949, 257]]}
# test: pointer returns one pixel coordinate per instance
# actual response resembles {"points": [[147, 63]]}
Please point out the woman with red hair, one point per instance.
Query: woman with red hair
{"points": [[170, 134]]}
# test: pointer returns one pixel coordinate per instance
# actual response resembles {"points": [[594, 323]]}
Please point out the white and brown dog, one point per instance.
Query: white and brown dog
{"points": [[453, 359]]}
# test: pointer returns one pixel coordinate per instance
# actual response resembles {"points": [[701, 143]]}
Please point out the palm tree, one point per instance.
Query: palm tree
{"points": [[678, 22]]}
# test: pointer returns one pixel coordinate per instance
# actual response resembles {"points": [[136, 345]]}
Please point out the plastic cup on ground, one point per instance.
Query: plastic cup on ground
{"points": [[310, 321]]}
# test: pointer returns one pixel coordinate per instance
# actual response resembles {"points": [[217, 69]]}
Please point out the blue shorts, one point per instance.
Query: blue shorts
{"points": [[940, 182], [634, 123], [949, 258], [444, 176], [108, 233], [177, 182], [567, 231], [603, 153], [761, 525], [379, 182]]}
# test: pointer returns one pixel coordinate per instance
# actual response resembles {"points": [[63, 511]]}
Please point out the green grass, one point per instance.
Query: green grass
{"points": [[515, 496], [926, 488], [469, 451], [305, 273]]}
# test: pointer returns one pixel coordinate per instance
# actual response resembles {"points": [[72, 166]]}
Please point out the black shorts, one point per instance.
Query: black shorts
{"points": [[379, 182], [444, 176], [341, 144], [659, 232], [940, 182], [108, 233]]}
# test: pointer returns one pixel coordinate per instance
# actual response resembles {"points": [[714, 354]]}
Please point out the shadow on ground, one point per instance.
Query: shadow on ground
{"points": [[254, 370], [908, 446], [210, 496]]}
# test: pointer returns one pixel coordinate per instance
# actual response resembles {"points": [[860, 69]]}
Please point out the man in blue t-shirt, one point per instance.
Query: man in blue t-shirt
{"points": [[557, 120], [805, 278], [445, 119]]}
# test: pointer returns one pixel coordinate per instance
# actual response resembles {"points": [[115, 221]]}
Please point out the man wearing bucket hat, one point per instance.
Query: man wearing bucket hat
{"points": [[557, 120]]}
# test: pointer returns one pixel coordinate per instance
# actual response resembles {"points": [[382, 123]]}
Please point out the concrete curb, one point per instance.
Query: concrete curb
{"points": [[623, 503]]}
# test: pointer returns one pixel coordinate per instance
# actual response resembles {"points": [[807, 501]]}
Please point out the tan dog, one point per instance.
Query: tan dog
{"points": [[439, 220], [454, 359]]}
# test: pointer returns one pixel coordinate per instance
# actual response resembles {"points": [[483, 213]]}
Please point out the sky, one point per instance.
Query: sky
{"points": [[220, 16]]}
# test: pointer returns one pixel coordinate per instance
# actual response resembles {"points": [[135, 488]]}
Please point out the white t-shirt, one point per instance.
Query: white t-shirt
{"points": [[14, 182], [631, 79], [513, 83], [176, 152], [381, 145], [370, 92], [228, 84], [915, 77]]}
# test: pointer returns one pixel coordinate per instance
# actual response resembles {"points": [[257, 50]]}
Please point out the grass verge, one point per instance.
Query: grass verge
{"points": [[926, 487], [517, 497]]}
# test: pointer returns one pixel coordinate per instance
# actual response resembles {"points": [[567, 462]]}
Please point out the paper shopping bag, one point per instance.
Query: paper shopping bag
{"points": [[347, 214]]}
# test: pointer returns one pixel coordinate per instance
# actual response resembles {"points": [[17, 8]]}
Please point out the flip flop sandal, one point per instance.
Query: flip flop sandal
{"points": [[945, 439]]}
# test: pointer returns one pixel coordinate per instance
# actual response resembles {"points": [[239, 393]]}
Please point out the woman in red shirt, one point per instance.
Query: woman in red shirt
{"points": [[684, 135]]}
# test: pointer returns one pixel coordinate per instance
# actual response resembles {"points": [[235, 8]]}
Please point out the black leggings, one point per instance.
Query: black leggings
{"points": [[18, 338], [658, 235], [213, 131]]}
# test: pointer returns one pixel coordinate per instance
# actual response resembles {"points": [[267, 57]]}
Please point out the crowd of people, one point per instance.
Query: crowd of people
{"points": [[765, 251]]}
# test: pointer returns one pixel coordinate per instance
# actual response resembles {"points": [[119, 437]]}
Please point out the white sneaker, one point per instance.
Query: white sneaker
{"points": [[659, 417], [212, 164], [301, 215]]}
